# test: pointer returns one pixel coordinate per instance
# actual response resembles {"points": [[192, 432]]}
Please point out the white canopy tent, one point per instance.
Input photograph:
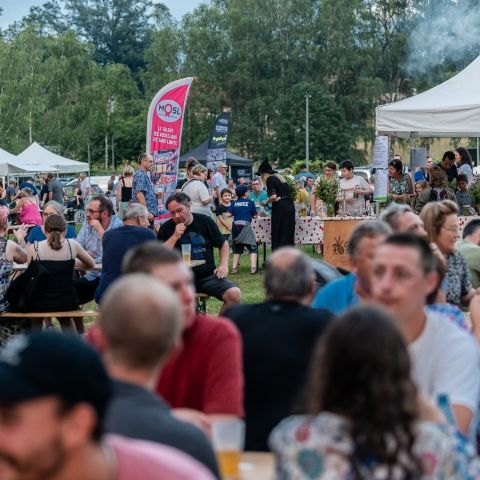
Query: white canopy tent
{"points": [[35, 154], [451, 109], [8, 164]]}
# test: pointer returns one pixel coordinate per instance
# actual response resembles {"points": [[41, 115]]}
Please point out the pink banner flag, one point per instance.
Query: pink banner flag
{"points": [[164, 137]]}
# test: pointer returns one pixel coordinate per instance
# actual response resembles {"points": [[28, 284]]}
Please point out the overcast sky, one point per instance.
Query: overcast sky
{"points": [[16, 9]]}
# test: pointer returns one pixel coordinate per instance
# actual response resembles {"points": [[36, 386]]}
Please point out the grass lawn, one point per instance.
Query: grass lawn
{"points": [[250, 285]]}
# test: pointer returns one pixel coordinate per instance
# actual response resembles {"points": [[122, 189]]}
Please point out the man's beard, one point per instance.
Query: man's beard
{"points": [[43, 464]]}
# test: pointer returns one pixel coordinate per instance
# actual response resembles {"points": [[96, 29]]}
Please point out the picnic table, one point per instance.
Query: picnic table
{"points": [[21, 267]]}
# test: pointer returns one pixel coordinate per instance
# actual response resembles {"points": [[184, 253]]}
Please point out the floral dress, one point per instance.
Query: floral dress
{"points": [[458, 279], [399, 187], [320, 447]]}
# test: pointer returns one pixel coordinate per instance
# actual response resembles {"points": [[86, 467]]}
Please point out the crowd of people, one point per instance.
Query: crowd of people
{"points": [[374, 375]]}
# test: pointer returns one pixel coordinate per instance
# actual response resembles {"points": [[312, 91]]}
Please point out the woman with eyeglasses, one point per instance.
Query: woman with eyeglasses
{"points": [[37, 234], [441, 225], [399, 188]]}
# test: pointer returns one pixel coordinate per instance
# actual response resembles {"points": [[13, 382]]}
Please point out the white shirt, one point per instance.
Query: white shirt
{"points": [[198, 193], [446, 360], [218, 180], [353, 205]]}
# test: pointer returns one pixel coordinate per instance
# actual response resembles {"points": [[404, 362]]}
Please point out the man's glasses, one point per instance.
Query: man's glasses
{"points": [[89, 210]]}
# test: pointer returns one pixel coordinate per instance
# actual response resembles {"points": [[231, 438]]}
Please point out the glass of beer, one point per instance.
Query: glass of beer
{"points": [[187, 252], [159, 192], [228, 437]]}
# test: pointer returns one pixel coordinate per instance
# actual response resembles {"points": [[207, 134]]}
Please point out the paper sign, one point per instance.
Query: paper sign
{"points": [[380, 152], [381, 183]]}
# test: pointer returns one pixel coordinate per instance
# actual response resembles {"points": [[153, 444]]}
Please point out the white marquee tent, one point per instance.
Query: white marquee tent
{"points": [[8, 164], [451, 109], [36, 155]]}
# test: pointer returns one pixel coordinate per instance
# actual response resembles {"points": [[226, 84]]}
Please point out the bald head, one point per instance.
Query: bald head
{"points": [[288, 275], [140, 321]]}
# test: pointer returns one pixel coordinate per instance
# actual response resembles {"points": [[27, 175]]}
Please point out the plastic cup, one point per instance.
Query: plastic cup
{"points": [[228, 438], [187, 253]]}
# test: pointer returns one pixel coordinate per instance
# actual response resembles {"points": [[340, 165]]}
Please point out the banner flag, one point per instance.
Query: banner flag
{"points": [[164, 137], [217, 141]]}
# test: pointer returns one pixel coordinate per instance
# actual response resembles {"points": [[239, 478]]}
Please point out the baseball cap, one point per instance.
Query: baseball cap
{"points": [[43, 364], [241, 190], [222, 165]]}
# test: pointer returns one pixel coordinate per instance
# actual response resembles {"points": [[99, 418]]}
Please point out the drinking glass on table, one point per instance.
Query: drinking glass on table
{"points": [[187, 253], [228, 438]]}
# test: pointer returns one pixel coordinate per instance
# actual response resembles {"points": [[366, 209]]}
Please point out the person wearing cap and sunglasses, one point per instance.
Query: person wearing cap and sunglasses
{"points": [[54, 396], [219, 182]]}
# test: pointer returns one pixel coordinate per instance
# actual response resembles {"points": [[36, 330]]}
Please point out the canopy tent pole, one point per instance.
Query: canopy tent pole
{"points": [[478, 156]]}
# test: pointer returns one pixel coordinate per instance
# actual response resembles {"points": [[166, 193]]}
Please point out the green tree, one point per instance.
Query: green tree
{"points": [[120, 30]]}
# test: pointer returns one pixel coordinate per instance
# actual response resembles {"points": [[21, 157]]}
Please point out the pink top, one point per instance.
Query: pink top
{"points": [[30, 214], [141, 460]]}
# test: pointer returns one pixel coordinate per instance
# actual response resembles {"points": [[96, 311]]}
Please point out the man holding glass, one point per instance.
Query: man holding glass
{"points": [[202, 233], [353, 190]]}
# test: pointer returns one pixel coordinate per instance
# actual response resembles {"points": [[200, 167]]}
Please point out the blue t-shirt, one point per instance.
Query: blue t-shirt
{"points": [[337, 295], [36, 234], [242, 209], [116, 243]]}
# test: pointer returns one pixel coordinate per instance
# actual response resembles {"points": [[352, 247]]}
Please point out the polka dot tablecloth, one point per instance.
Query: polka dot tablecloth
{"points": [[462, 221], [308, 230]]}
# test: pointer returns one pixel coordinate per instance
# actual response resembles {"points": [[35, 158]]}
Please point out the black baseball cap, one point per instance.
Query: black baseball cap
{"points": [[62, 365], [241, 190]]}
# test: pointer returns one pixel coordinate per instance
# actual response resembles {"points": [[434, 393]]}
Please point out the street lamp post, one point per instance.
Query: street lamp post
{"points": [[307, 132]]}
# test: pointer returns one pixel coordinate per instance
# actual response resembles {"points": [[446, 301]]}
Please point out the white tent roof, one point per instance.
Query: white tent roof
{"points": [[35, 154], [8, 164], [451, 109]]}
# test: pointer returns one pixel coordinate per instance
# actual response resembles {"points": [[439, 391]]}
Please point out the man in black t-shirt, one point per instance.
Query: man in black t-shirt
{"points": [[203, 235], [279, 337], [448, 166]]}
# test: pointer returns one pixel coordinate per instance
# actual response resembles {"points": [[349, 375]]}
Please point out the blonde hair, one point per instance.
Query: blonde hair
{"points": [[434, 215], [3, 218], [128, 171], [55, 225], [198, 169]]}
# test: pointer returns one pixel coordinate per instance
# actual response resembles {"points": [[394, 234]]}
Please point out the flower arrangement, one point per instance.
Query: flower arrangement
{"points": [[326, 190], [292, 185]]}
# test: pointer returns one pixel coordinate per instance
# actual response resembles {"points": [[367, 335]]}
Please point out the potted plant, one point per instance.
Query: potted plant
{"points": [[326, 190]]}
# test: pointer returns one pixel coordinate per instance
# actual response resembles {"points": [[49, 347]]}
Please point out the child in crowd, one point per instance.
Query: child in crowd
{"points": [[243, 211], [224, 222], [420, 186], [465, 200]]}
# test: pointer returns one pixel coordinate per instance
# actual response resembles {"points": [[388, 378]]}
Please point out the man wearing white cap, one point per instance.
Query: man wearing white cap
{"points": [[218, 180]]}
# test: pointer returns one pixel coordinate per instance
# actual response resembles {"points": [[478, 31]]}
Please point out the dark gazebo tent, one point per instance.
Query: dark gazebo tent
{"points": [[238, 166]]}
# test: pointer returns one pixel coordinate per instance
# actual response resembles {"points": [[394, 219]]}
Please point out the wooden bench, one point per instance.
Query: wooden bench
{"points": [[202, 299], [70, 314]]}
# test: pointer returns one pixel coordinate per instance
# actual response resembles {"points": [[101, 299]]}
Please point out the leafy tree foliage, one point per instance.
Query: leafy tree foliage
{"points": [[78, 75]]}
